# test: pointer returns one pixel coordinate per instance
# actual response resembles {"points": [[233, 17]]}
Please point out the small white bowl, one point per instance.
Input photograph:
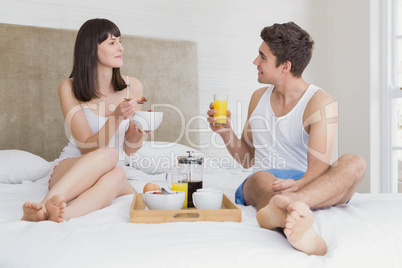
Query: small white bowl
{"points": [[172, 201], [148, 121], [207, 200], [211, 190]]}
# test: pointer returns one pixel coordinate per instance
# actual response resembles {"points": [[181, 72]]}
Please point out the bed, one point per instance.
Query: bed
{"points": [[364, 233]]}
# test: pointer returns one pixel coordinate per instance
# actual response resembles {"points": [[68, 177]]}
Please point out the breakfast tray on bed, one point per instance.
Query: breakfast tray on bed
{"points": [[139, 213]]}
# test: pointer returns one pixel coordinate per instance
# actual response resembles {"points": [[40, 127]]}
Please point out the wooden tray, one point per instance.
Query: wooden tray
{"points": [[229, 212]]}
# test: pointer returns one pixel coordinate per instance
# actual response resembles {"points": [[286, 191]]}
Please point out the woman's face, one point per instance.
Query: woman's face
{"points": [[110, 52]]}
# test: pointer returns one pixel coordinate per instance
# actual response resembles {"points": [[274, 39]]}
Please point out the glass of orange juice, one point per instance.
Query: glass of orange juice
{"points": [[221, 107], [177, 180], [183, 187]]}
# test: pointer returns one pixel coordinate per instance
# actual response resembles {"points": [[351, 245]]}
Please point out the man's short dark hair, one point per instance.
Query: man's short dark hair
{"points": [[289, 42]]}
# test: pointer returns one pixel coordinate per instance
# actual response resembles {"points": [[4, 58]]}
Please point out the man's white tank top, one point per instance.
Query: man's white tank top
{"points": [[280, 142], [96, 122]]}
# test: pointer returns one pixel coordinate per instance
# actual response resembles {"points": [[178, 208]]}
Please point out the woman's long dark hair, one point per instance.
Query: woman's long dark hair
{"points": [[84, 73]]}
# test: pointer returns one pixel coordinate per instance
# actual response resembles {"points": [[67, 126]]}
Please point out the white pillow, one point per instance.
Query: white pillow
{"points": [[158, 156], [17, 166]]}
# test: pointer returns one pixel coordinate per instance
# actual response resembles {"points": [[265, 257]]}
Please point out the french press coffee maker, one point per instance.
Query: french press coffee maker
{"points": [[192, 164]]}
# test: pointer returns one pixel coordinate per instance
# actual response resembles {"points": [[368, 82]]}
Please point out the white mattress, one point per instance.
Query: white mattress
{"points": [[365, 233]]}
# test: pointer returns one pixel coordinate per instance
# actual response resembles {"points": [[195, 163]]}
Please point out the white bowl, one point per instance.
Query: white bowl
{"points": [[148, 121], [173, 201], [211, 190], [207, 200]]}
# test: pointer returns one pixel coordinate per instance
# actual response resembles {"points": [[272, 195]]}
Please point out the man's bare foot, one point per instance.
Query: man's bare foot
{"points": [[300, 232], [55, 208], [274, 214], [33, 212]]}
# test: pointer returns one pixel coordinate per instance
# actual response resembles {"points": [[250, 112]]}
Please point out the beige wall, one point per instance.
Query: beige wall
{"points": [[227, 33]]}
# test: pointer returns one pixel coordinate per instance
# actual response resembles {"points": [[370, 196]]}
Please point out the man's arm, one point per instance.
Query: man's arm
{"points": [[320, 121], [242, 150]]}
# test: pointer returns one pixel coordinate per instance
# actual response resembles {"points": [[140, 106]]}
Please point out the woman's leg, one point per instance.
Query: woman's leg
{"points": [[73, 176], [101, 194], [70, 179]]}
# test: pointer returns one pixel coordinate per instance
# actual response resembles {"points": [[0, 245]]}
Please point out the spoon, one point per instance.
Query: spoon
{"points": [[140, 101], [165, 191]]}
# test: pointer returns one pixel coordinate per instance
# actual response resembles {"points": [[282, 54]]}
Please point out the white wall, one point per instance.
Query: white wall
{"points": [[354, 80], [227, 33]]}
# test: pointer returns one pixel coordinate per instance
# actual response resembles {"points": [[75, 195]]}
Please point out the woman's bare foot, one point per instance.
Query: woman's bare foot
{"points": [[33, 212], [55, 208], [274, 214], [300, 232]]}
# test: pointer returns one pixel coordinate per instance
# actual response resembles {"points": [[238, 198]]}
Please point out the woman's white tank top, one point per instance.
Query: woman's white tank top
{"points": [[96, 122], [280, 142]]}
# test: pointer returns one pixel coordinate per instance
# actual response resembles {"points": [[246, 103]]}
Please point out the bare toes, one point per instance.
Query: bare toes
{"points": [[55, 207], [33, 212], [300, 232], [274, 214]]}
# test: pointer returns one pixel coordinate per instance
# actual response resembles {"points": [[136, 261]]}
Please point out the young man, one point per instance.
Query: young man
{"points": [[288, 139]]}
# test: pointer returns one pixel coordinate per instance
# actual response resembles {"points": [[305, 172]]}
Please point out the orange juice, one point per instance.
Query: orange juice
{"points": [[221, 107], [183, 187]]}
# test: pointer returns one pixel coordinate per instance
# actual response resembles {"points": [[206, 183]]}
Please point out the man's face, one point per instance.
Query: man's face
{"points": [[266, 65]]}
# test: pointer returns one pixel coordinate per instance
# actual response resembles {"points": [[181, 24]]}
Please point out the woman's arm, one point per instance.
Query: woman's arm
{"points": [[134, 137], [77, 123]]}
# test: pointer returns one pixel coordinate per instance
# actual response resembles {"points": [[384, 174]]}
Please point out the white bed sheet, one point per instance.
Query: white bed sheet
{"points": [[364, 233]]}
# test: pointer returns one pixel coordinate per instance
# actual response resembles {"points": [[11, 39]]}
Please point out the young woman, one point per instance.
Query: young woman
{"points": [[86, 175]]}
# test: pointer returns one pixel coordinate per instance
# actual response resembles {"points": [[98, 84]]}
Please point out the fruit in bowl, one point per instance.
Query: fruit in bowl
{"points": [[142, 100], [148, 121], [156, 200]]}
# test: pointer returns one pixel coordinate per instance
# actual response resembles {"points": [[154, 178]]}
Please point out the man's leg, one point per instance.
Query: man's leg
{"points": [[257, 189], [257, 193], [335, 187]]}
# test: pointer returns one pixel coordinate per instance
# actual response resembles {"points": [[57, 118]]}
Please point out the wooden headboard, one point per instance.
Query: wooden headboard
{"points": [[35, 60]]}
